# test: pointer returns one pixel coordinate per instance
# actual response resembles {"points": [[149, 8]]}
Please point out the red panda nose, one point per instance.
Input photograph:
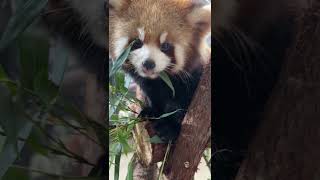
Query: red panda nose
{"points": [[149, 64]]}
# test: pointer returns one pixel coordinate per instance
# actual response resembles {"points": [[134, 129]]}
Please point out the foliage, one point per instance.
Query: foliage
{"points": [[34, 100], [121, 117]]}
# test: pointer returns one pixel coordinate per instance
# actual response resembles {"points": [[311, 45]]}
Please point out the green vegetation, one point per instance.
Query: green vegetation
{"points": [[34, 100]]}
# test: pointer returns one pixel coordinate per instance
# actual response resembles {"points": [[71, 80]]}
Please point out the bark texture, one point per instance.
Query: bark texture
{"points": [[195, 133], [287, 144], [147, 154], [141, 172]]}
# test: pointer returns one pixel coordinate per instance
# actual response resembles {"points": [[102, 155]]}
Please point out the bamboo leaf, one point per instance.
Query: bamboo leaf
{"points": [[34, 53], [117, 162], [46, 90], [164, 76], [24, 16], [122, 58], [164, 160], [3, 74], [15, 125], [123, 140], [58, 68], [166, 114], [130, 169], [156, 140], [34, 142]]}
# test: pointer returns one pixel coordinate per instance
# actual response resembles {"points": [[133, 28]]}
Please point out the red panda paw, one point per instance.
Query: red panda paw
{"points": [[166, 128]]}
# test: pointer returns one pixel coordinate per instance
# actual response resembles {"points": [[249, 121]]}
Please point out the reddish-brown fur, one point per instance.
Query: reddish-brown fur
{"points": [[156, 17]]}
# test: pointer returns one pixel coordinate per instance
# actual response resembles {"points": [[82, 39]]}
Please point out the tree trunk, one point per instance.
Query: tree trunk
{"points": [[142, 172], [195, 133], [287, 144], [194, 137]]}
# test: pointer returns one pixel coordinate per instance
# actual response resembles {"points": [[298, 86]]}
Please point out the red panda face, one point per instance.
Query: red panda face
{"points": [[149, 59], [168, 33]]}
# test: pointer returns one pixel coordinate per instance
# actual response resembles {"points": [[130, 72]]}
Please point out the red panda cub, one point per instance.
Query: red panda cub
{"points": [[171, 38], [81, 25]]}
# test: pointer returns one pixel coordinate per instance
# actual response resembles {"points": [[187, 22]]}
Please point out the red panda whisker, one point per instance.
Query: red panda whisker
{"points": [[228, 52]]}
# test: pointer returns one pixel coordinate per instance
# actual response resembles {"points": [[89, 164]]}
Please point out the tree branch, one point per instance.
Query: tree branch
{"points": [[195, 133], [194, 136], [287, 144]]}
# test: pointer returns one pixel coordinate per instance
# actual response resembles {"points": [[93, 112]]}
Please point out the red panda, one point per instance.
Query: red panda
{"points": [[81, 24], [249, 39], [171, 38]]}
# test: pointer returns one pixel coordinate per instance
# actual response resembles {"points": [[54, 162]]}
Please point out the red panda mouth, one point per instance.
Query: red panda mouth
{"points": [[148, 72]]}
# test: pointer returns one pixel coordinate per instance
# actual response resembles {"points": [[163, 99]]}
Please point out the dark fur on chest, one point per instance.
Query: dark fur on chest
{"points": [[160, 101]]}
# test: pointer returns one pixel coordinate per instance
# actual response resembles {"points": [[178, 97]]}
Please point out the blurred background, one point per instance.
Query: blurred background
{"points": [[52, 107]]}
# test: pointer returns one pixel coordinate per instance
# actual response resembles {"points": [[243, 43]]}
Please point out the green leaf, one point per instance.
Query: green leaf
{"points": [[156, 140], [120, 81], [4, 79], [130, 169], [16, 173], [167, 80], [15, 124], [10, 116], [117, 162], [34, 53], [112, 149], [44, 87], [115, 102], [122, 58], [164, 160], [58, 68], [166, 114], [34, 142], [24, 16], [123, 140], [3, 74]]}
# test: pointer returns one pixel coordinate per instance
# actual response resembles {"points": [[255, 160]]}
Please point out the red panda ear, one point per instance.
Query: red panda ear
{"points": [[200, 17], [116, 5]]}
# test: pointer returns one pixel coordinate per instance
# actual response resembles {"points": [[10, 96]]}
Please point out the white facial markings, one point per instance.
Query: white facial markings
{"points": [[180, 57], [141, 33], [163, 37], [138, 56], [162, 61], [119, 45]]}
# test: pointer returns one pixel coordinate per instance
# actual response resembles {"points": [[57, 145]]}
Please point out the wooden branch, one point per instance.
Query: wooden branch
{"points": [[141, 172], [195, 133], [147, 153], [194, 136], [287, 145]]}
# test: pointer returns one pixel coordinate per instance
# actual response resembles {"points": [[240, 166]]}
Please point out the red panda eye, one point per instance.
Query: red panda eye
{"points": [[165, 47], [137, 44]]}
